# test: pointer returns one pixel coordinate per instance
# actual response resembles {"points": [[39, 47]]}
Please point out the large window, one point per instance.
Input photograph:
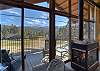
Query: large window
{"points": [[36, 35], [62, 38], [10, 20], [89, 22]]}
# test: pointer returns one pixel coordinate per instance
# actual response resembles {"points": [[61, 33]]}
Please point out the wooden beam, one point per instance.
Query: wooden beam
{"points": [[70, 22], [22, 35], [89, 22], [93, 3], [0, 45], [52, 40], [35, 1], [80, 17], [39, 8], [35, 7], [11, 3]]}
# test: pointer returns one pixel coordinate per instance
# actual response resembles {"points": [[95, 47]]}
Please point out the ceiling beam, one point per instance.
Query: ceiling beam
{"points": [[35, 1], [93, 3]]}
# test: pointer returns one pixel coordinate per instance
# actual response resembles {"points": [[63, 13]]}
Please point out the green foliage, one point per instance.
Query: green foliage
{"points": [[32, 32], [7, 30], [29, 32]]}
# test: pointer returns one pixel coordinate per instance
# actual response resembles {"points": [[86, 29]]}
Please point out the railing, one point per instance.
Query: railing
{"points": [[30, 45]]}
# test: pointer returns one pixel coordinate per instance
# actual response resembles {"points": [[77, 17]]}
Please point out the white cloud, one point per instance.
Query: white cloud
{"points": [[36, 21], [29, 22], [8, 20], [44, 22], [12, 11]]}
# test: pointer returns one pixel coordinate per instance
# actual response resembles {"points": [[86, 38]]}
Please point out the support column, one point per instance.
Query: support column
{"points": [[70, 13], [52, 40], [0, 45], [80, 17], [89, 22], [22, 36]]}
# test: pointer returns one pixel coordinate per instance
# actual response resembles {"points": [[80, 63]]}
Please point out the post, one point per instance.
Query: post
{"points": [[70, 13], [89, 22], [0, 45], [52, 40], [22, 36], [80, 17]]}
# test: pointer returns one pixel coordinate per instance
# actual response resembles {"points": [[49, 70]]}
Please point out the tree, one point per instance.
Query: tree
{"points": [[9, 30]]}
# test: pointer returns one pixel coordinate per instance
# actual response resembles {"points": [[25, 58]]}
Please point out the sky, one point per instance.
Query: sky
{"points": [[31, 17]]}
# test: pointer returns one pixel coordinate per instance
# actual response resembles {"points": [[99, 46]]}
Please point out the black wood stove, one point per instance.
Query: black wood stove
{"points": [[84, 55]]}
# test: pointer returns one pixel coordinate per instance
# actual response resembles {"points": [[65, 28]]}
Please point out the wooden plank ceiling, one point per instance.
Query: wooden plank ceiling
{"points": [[63, 6]]}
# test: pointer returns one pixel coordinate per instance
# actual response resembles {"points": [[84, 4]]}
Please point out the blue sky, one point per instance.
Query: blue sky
{"points": [[32, 17]]}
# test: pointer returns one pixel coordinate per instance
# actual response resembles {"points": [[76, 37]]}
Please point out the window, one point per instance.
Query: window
{"points": [[62, 38], [10, 20], [36, 36], [74, 29]]}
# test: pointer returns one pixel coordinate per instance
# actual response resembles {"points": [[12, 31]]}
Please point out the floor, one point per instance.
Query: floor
{"points": [[68, 67], [35, 59]]}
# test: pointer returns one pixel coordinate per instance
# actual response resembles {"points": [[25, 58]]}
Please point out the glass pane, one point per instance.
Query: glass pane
{"points": [[79, 58], [36, 37], [86, 30], [74, 29], [92, 57], [62, 38], [43, 4], [92, 34], [89, 32], [10, 20], [92, 24]]}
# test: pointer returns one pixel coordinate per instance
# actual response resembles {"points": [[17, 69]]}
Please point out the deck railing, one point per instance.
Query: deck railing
{"points": [[30, 45]]}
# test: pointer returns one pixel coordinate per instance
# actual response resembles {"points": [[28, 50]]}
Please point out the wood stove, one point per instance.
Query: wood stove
{"points": [[84, 55]]}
